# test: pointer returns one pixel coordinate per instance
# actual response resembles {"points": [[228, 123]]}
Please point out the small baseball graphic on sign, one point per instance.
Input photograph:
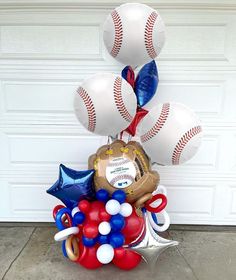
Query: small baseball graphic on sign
{"points": [[105, 104], [171, 133], [134, 34], [120, 172]]}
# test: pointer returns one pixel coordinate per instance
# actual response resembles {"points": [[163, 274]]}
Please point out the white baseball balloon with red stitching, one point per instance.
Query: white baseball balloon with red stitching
{"points": [[105, 104], [171, 133], [134, 34]]}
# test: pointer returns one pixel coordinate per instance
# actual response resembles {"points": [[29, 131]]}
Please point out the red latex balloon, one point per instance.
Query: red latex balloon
{"points": [[84, 206], [133, 227], [56, 209], [119, 253], [160, 207], [104, 216], [129, 261], [95, 208], [88, 257], [90, 230]]}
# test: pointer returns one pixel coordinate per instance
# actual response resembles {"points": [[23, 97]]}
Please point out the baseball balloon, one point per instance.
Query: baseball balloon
{"points": [[171, 133], [105, 104], [134, 34]]}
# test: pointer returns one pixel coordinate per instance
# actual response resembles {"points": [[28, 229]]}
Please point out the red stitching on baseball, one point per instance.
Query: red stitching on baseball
{"points": [[159, 123], [148, 35], [90, 108], [183, 142], [118, 33], [121, 177], [119, 101], [118, 163]]}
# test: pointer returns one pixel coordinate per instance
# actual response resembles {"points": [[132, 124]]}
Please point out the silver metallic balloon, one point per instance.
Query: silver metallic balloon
{"points": [[152, 245]]}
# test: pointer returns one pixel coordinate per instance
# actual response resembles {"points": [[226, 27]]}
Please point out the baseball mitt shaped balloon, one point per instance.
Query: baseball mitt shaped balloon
{"points": [[171, 133], [105, 104], [127, 167], [134, 34]]}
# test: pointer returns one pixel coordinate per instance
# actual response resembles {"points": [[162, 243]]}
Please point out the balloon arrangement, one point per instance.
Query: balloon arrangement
{"points": [[111, 211]]}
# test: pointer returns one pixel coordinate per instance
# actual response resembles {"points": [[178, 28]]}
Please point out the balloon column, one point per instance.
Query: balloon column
{"points": [[113, 212]]}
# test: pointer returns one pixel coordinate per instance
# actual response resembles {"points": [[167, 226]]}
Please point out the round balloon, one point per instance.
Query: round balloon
{"points": [[105, 104], [171, 133], [105, 253], [134, 34]]}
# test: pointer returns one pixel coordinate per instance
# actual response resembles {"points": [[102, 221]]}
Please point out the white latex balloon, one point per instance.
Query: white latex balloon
{"points": [[104, 228], [126, 209], [74, 211], [112, 207], [105, 253], [171, 133], [134, 34], [63, 234], [105, 104]]}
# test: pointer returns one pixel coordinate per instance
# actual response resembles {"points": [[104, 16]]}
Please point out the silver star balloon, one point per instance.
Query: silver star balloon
{"points": [[152, 245]]}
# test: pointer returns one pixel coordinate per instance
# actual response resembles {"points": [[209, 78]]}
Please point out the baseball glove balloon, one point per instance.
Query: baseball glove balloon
{"points": [[127, 167]]}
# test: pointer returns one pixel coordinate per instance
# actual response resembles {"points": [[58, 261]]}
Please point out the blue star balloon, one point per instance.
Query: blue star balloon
{"points": [[146, 83], [72, 186]]}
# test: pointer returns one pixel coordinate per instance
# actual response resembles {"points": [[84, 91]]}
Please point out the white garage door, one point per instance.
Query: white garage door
{"points": [[47, 50]]}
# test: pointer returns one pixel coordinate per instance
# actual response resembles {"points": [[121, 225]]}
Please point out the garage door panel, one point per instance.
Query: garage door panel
{"points": [[204, 97], [48, 148], [38, 96], [45, 54], [192, 41], [36, 204], [51, 101], [191, 199], [51, 41]]}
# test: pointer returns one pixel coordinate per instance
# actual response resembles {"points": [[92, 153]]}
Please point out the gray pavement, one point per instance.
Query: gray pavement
{"points": [[29, 252]]}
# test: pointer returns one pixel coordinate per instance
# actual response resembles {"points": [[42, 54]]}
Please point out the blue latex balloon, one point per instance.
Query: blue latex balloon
{"points": [[73, 186], [154, 216], [102, 195], [78, 218], [58, 218], [119, 195], [117, 239], [117, 222], [146, 83], [103, 239], [63, 247], [89, 242]]}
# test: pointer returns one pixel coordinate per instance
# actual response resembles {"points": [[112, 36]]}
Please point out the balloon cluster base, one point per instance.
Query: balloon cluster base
{"points": [[95, 233]]}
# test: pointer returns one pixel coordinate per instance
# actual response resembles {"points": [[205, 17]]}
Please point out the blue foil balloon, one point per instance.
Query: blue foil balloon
{"points": [[128, 74], [73, 186], [146, 83]]}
